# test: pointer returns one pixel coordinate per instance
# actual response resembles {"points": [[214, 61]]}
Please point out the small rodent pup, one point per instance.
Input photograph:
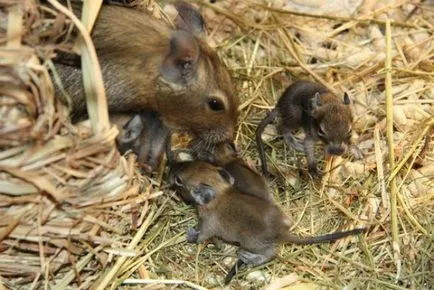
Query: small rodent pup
{"points": [[257, 226], [322, 116], [144, 134], [246, 179], [147, 65]]}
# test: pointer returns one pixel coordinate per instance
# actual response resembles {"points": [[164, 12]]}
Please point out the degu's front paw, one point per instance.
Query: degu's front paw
{"points": [[356, 152], [315, 172], [192, 235]]}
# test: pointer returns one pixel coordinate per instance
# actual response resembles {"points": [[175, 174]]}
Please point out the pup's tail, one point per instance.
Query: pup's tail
{"points": [[291, 238], [267, 120]]}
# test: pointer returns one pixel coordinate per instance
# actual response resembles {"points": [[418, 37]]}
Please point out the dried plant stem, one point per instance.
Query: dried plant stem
{"points": [[69, 277], [15, 26], [380, 169], [410, 152], [407, 211], [5, 231], [256, 93], [235, 18], [341, 207], [196, 263], [287, 40], [134, 265], [121, 260], [391, 147], [170, 282], [414, 73], [337, 18], [92, 77], [134, 242], [36, 180], [1, 284], [369, 15]]}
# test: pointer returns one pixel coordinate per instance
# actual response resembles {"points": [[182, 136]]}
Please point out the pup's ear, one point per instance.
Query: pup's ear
{"points": [[347, 100], [203, 193], [190, 19], [180, 66], [226, 176], [132, 129], [316, 101], [231, 145]]}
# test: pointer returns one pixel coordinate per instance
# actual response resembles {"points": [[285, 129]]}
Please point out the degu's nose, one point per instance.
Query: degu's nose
{"points": [[335, 150]]}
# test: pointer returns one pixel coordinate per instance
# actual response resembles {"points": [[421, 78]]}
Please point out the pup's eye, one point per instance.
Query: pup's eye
{"points": [[216, 105], [321, 131], [232, 146], [178, 181]]}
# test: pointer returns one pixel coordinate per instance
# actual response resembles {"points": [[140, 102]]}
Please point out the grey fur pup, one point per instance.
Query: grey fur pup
{"points": [[320, 114]]}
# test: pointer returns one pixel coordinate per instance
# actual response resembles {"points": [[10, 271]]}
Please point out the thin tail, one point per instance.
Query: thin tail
{"points": [[291, 238], [233, 271], [267, 120]]}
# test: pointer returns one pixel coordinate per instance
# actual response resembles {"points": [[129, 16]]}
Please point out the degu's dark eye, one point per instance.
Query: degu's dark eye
{"points": [[321, 131], [178, 180], [216, 104]]}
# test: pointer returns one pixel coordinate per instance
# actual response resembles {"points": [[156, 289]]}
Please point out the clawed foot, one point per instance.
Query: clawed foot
{"points": [[260, 258], [192, 235], [356, 152], [293, 142], [315, 172], [298, 146]]}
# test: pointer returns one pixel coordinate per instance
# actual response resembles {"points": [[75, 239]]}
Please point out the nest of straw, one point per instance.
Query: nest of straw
{"points": [[63, 188], [75, 213]]}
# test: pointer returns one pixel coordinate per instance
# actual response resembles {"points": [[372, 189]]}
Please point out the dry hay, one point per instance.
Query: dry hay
{"points": [[64, 189], [266, 48]]}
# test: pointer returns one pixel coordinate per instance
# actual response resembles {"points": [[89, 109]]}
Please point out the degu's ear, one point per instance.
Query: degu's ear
{"points": [[190, 19], [203, 193], [347, 100], [180, 65], [132, 129], [316, 101], [226, 176]]}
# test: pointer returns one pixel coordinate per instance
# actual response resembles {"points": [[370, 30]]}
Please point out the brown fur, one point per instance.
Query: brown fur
{"points": [[255, 224], [246, 179], [144, 134], [148, 66], [319, 113]]}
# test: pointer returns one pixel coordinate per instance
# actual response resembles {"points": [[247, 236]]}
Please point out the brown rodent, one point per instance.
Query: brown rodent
{"points": [[146, 65], [256, 225], [246, 179], [144, 134], [322, 116]]}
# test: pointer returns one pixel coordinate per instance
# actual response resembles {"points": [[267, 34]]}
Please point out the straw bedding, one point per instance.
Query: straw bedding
{"points": [[74, 213]]}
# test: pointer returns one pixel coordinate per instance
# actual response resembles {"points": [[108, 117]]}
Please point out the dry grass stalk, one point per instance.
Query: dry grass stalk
{"points": [[92, 79], [391, 147], [168, 282]]}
